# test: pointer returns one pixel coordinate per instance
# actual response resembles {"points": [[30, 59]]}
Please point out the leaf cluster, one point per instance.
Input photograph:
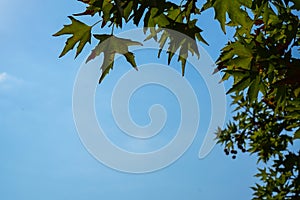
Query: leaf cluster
{"points": [[265, 94], [262, 59], [157, 17]]}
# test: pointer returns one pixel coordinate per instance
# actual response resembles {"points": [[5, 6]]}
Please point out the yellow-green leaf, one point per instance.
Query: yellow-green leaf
{"points": [[233, 8], [80, 33]]}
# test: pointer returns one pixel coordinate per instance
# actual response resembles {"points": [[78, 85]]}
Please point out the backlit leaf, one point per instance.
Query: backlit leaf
{"points": [[234, 10], [109, 45], [81, 33]]}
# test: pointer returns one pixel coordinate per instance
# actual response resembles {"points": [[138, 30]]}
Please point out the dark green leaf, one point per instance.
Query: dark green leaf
{"points": [[254, 89], [110, 45]]}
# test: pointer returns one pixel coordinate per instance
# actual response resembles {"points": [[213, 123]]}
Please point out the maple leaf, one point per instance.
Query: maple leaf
{"points": [[234, 11], [184, 44], [110, 45], [80, 33]]}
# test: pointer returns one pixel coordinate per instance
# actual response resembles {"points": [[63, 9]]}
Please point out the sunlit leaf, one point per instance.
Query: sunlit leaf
{"points": [[81, 33], [233, 8]]}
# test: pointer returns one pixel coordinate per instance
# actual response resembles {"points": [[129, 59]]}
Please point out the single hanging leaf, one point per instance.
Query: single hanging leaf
{"points": [[110, 45], [80, 33]]}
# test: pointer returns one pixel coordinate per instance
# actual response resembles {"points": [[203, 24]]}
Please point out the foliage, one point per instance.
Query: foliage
{"points": [[111, 46], [261, 59], [81, 33]]}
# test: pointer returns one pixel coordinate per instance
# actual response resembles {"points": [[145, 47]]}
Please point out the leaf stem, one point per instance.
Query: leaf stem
{"points": [[96, 23], [112, 29]]}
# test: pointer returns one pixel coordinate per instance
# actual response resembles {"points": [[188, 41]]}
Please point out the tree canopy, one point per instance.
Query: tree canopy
{"points": [[262, 58]]}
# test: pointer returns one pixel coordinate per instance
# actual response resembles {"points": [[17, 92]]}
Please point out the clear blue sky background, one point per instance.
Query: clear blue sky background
{"points": [[41, 156]]}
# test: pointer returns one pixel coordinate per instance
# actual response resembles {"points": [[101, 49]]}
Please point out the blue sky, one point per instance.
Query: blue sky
{"points": [[41, 154]]}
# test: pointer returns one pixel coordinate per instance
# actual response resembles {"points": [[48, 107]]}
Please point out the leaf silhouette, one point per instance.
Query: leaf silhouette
{"points": [[80, 33], [109, 45]]}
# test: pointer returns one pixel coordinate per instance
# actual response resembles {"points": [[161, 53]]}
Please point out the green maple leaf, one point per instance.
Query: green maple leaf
{"points": [[233, 8], [80, 33], [110, 45], [177, 42]]}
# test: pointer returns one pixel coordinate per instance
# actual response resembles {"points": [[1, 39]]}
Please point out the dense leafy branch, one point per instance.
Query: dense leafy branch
{"points": [[261, 58]]}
